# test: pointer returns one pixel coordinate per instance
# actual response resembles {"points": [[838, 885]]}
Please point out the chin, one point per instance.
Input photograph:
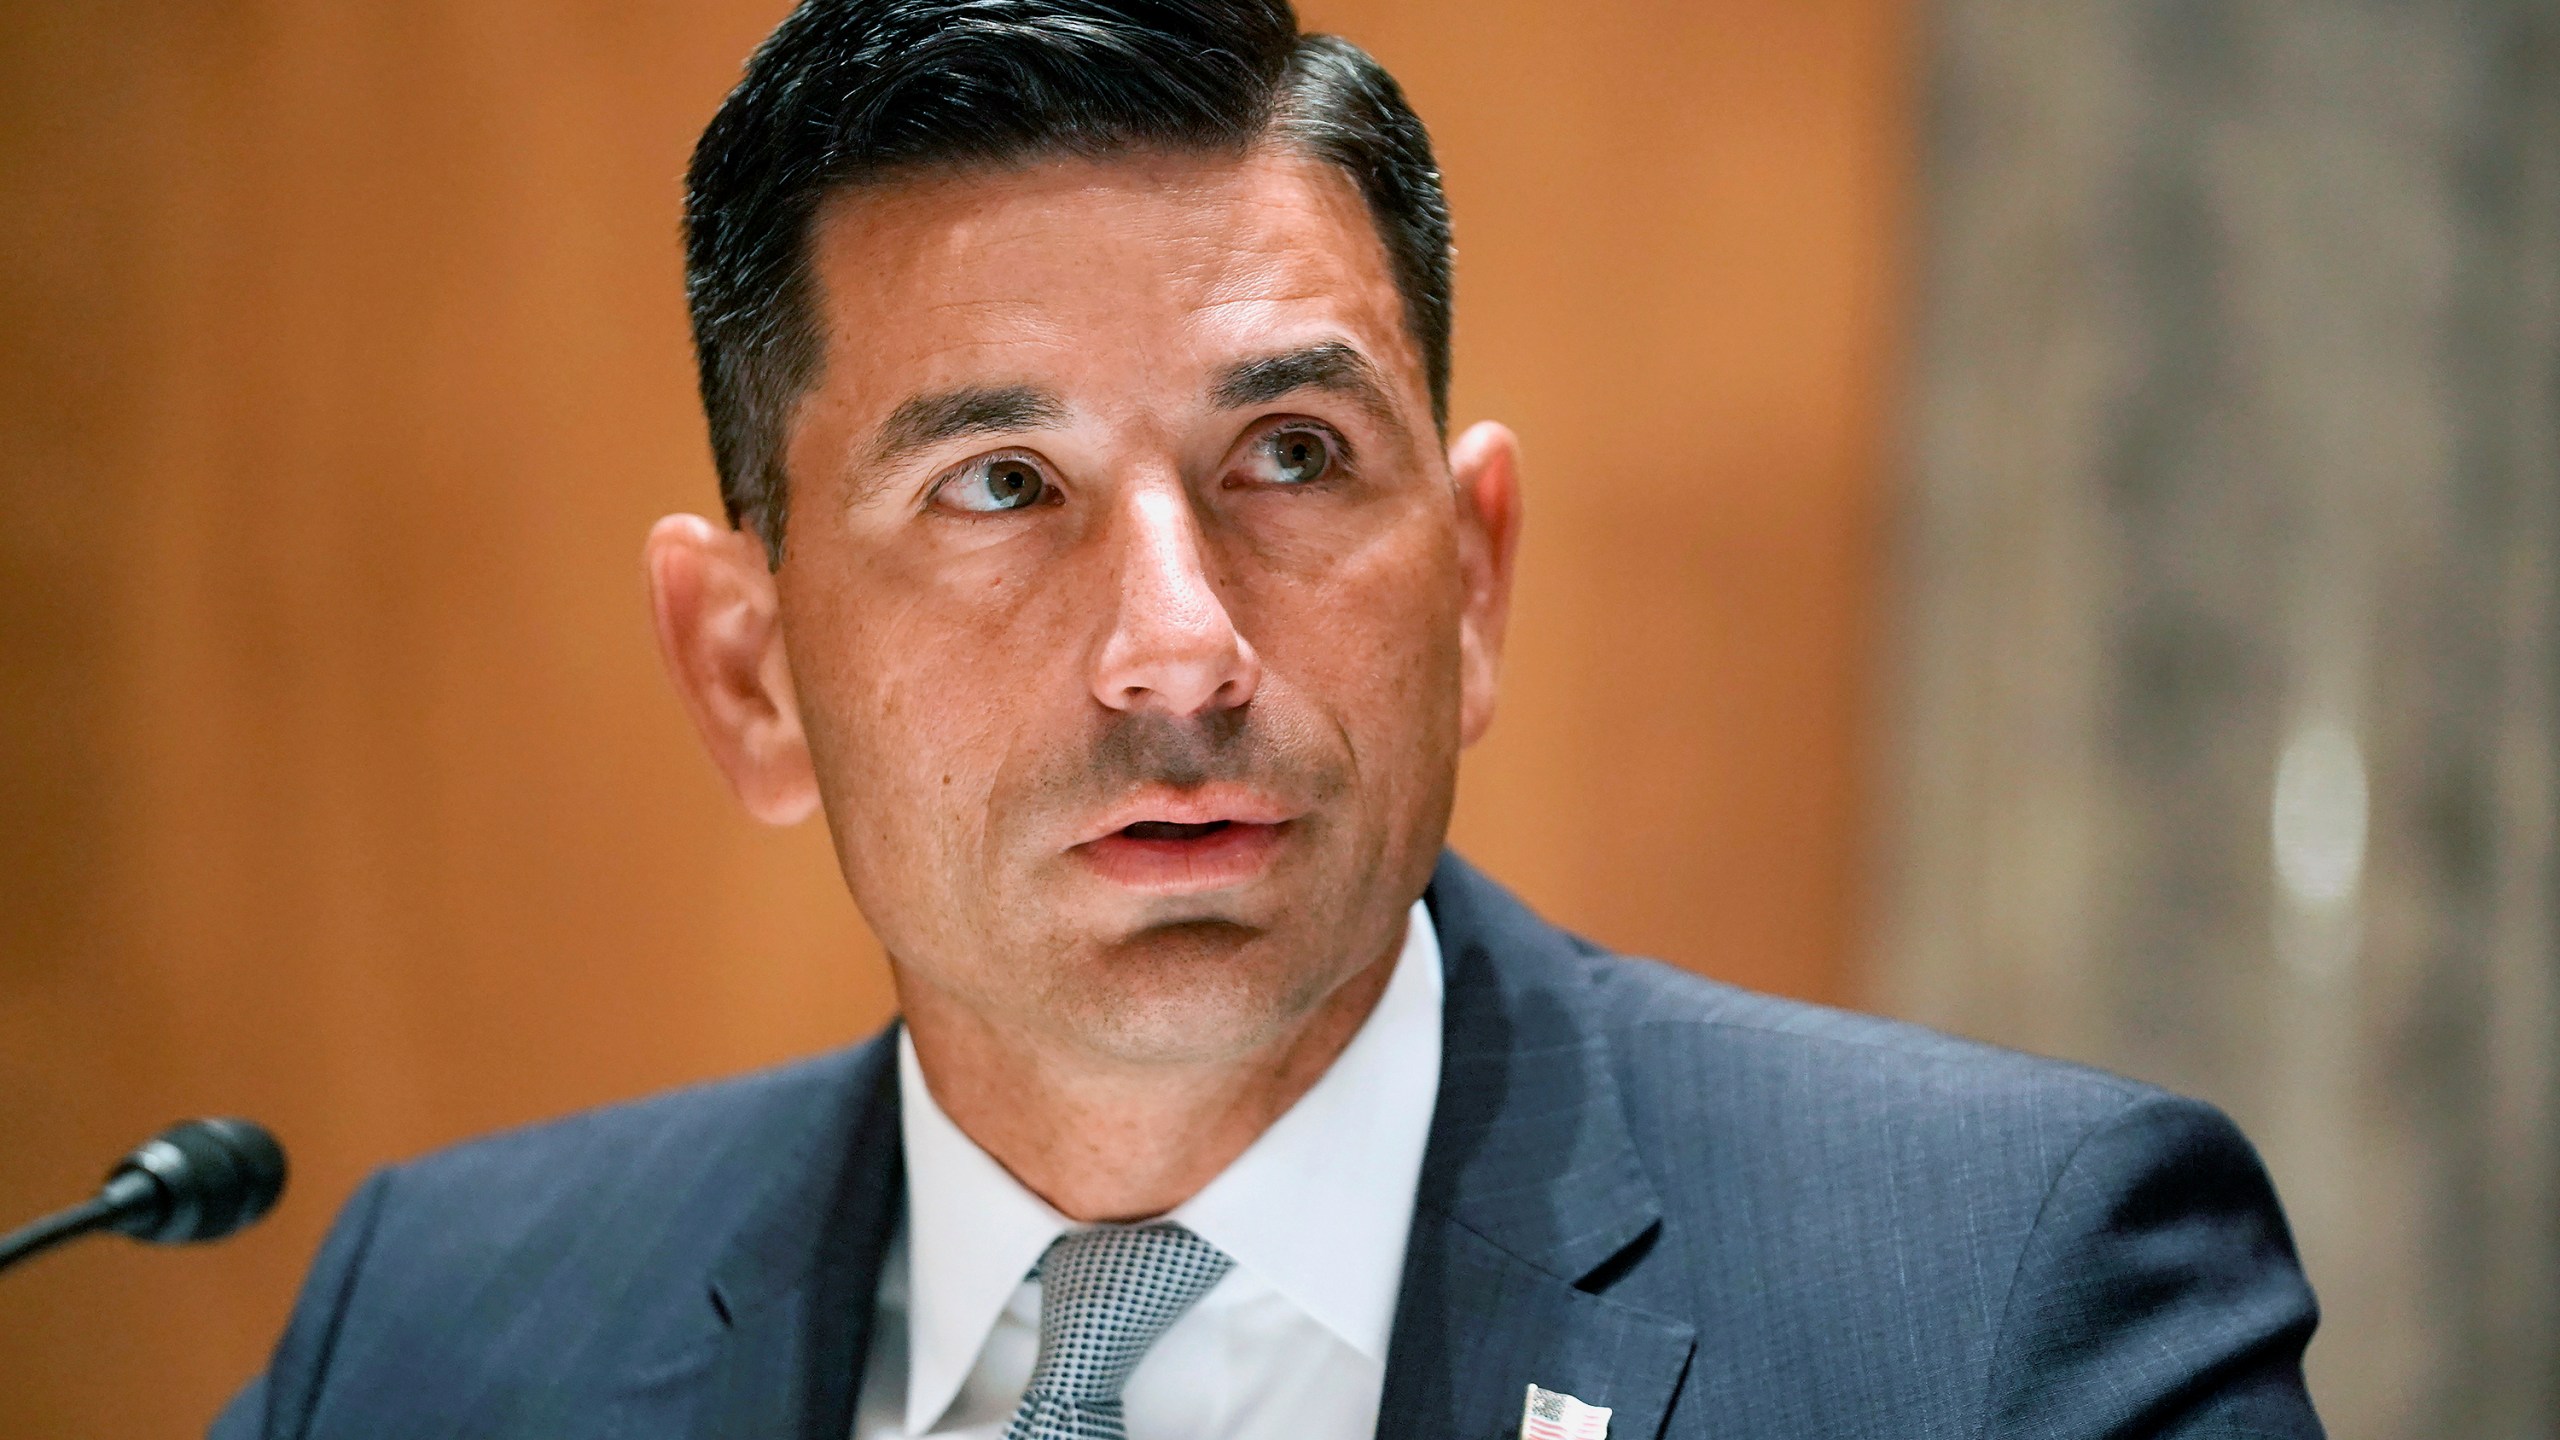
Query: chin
{"points": [[1195, 990]]}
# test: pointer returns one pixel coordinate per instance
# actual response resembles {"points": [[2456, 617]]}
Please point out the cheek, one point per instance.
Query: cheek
{"points": [[915, 690], [1373, 635]]}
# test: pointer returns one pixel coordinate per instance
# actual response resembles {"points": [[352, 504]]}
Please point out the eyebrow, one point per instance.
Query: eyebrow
{"points": [[1331, 366], [926, 420]]}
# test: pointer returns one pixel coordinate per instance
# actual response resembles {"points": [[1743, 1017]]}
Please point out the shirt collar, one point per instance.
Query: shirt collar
{"points": [[1318, 1208], [973, 1233]]}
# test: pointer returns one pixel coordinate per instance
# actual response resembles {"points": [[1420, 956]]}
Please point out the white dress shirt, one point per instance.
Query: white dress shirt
{"points": [[1290, 1345]]}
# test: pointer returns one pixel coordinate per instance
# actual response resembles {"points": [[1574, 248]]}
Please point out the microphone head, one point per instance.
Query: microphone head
{"points": [[207, 1178]]}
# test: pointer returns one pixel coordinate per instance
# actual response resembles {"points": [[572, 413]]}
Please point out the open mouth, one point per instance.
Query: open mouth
{"points": [[1168, 830], [1167, 857]]}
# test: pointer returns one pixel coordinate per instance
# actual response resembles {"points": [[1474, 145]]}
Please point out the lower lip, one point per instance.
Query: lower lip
{"points": [[1214, 861]]}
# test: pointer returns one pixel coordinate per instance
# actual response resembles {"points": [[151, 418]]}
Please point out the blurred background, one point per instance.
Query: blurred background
{"points": [[2042, 520]]}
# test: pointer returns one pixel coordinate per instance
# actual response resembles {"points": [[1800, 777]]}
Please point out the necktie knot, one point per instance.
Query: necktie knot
{"points": [[1105, 1296]]}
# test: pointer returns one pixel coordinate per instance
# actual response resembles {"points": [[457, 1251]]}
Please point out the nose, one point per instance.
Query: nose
{"points": [[1173, 647]]}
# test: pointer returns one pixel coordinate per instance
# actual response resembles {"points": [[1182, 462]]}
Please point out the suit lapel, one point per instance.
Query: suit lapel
{"points": [[786, 1318], [798, 1285], [1532, 1199]]}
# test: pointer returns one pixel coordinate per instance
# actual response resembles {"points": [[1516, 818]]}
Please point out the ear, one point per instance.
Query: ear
{"points": [[1485, 466], [719, 629]]}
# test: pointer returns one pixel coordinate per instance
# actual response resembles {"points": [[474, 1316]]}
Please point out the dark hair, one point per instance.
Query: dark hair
{"points": [[848, 92]]}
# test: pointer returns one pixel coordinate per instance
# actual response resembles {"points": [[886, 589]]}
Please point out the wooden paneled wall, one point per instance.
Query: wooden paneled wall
{"points": [[2236, 406], [343, 365]]}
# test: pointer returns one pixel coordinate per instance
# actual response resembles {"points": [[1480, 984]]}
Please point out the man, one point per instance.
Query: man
{"points": [[1098, 565]]}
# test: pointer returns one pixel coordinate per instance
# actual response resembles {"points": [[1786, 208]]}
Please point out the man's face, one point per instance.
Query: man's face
{"points": [[1134, 620]]}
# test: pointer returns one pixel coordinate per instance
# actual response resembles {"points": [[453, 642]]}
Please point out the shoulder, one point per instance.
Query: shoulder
{"points": [[631, 1205], [636, 1149], [1846, 1122], [1922, 1225], [534, 1261], [2060, 1240], [622, 1189], [1769, 1060], [1687, 1051], [1825, 1134], [1851, 1125]]}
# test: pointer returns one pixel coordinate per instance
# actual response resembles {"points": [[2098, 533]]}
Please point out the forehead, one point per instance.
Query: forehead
{"points": [[1130, 273]]}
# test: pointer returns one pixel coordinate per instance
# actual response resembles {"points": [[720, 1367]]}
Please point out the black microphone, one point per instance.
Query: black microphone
{"points": [[197, 1180]]}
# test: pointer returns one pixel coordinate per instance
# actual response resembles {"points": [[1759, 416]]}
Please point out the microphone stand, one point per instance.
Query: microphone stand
{"points": [[127, 1193]]}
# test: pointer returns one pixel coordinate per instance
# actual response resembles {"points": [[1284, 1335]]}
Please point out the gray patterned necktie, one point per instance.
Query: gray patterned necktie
{"points": [[1105, 1295]]}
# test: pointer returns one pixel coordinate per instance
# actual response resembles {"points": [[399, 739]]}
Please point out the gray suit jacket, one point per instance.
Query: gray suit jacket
{"points": [[1717, 1213]]}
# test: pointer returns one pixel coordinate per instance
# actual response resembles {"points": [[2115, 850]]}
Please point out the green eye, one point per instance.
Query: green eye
{"points": [[1296, 455], [998, 482]]}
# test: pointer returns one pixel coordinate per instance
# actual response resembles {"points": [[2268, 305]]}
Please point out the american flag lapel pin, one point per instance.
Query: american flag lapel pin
{"points": [[1554, 1415]]}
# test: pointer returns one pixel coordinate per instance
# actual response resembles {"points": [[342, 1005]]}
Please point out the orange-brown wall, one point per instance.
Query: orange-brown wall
{"points": [[342, 366]]}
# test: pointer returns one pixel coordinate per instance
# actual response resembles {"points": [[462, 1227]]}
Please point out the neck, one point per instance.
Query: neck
{"points": [[1105, 1140]]}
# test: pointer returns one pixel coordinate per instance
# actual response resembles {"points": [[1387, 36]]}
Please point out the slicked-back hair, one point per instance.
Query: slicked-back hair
{"points": [[847, 93]]}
